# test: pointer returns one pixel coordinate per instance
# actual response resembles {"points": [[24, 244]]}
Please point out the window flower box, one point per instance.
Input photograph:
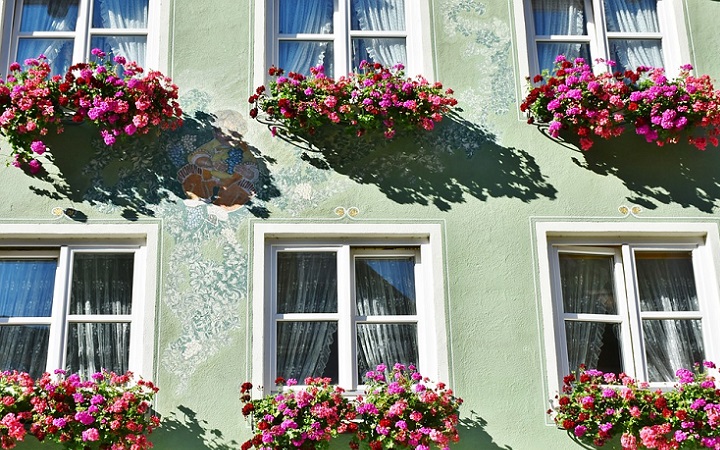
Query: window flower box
{"points": [[117, 96], [374, 99], [664, 111]]}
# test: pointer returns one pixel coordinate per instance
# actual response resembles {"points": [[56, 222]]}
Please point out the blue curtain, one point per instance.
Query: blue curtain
{"points": [[378, 15], [121, 14], [306, 17], [560, 18], [637, 16], [48, 15]]}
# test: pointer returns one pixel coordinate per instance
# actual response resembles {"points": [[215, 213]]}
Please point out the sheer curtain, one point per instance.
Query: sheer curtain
{"points": [[587, 287], [102, 283], [561, 18], [307, 17], [668, 284], [121, 14], [385, 287], [307, 283], [379, 15], [637, 16], [48, 15]]}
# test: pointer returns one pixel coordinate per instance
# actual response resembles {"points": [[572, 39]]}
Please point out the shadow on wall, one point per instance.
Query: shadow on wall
{"points": [[458, 159], [140, 172], [473, 434], [183, 430]]}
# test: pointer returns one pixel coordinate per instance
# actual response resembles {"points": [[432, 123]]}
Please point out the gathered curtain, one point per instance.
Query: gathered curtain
{"points": [[122, 14], [559, 18], [637, 16], [315, 17], [48, 15], [379, 15]]}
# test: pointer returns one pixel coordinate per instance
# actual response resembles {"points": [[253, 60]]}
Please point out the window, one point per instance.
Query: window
{"points": [[641, 304], [338, 34], [337, 306], [67, 30], [78, 306], [630, 32]]}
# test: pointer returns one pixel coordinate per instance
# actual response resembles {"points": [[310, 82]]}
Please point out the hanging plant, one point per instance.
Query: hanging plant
{"points": [[375, 98], [117, 96], [662, 110]]}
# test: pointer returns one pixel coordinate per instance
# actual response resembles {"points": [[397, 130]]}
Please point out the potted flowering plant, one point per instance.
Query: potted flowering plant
{"points": [[662, 110], [376, 98], [403, 409], [16, 389], [115, 95], [297, 417], [594, 407]]}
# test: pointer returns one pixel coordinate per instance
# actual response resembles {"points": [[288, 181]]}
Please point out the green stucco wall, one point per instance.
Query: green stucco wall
{"points": [[485, 176]]}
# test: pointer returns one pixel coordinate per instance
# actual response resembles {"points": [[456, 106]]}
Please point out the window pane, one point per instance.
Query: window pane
{"points": [[559, 17], [636, 16], [666, 281], [629, 54], [385, 343], [120, 13], [378, 15], [300, 56], [587, 284], [58, 51], [96, 346], [306, 282], [24, 348], [102, 283], [595, 344], [386, 51], [26, 287], [131, 47], [385, 286], [49, 15], [671, 345], [547, 51], [306, 16], [307, 349]]}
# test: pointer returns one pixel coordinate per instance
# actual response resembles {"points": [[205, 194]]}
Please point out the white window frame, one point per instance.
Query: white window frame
{"points": [[671, 14], [10, 26], [61, 243], [620, 239], [417, 34], [426, 239]]}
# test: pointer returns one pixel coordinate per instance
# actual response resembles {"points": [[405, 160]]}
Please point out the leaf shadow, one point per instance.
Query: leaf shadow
{"points": [[183, 429], [474, 436]]}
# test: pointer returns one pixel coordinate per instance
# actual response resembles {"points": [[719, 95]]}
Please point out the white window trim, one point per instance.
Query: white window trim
{"points": [[432, 336], [158, 19], [657, 234], [671, 15], [141, 239], [418, 23]]}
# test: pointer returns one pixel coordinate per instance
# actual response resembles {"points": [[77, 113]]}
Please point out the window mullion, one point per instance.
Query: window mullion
{"points": [[636, 346], [58, 325], [596, 29], [341, 38], [347, 360], [82, 35]]}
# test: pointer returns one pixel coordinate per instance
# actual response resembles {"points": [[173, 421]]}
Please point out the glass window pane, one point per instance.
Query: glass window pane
{"points": [[96, 346], [559, 17], [24, 348], [595, 344], [386, 51], [49, 15], [300, 56], [307, 349], [385, 343], [377, 15], [306, 16], [629, 54], [120, 13], [587, 284], [666, 281], [102, 283], [548, 51], [26, 287], [385, 286], [131, 47], [58, 51], [636, 16], [672, 345], [306, 282]]}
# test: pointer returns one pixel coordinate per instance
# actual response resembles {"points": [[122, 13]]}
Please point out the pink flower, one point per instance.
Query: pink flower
{"points": [[38, 147]]}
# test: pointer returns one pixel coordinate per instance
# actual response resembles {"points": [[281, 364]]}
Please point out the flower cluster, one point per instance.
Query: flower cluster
{"points": [[595, 406], [662, 110], [108, 410], [375, 98], [406, 409], [401, 409], [115, 95]]}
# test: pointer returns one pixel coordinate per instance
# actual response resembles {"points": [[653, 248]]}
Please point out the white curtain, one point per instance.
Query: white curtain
{"points": [[48, 15], [121, 14], [562, 18], [385, 286], [668, 284], [307, 283], [379, 15], [308, 17], [633, 16]]}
